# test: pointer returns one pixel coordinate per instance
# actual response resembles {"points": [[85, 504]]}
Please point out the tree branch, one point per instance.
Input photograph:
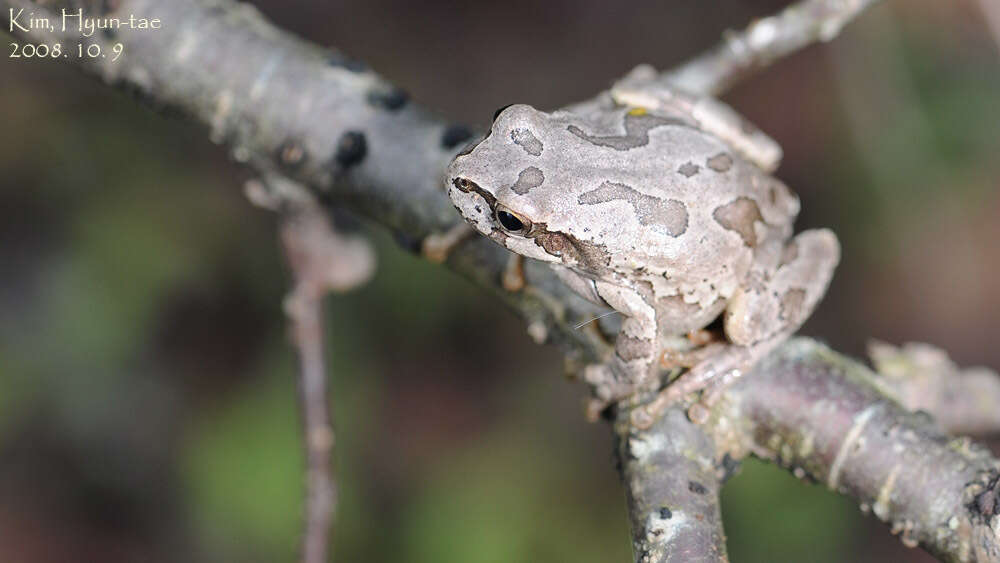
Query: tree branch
{"points": [[305, 311], [672, 486], [764, 41], [824, 417], [315, 117]]}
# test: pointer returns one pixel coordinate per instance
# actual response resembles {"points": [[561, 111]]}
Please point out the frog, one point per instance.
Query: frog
{"points": [[661, 205]]}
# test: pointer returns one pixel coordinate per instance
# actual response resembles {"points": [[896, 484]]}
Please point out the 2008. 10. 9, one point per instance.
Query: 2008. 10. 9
{"points": [[43, 50]]}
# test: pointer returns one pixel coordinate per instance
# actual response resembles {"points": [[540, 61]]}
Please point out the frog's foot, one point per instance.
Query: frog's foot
{"points": [[711, 376], [670, 359], [513, 274], [436, 247], [714, 373], [703, 337], [608, 389]]}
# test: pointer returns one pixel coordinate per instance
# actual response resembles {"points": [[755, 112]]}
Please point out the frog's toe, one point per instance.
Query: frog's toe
{"points": [[436, 247], [513, 274], [642, 418]]}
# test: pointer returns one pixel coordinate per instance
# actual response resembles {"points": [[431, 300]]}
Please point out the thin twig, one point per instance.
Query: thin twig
{"points": [[321, 260], [923, 378], [764, 41], [991, 11], [304, 309]]}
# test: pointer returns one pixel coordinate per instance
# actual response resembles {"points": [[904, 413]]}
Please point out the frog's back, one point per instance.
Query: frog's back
{"points": [[670, 158], [637, 185], [668, 179]]}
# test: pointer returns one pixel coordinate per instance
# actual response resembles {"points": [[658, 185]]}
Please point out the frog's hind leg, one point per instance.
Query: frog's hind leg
{"points": [[777, 304], [672, 359], [760, 318], [703, 344]]}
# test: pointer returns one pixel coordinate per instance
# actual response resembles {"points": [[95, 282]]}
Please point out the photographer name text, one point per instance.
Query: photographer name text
{"points": [[70, 21]]}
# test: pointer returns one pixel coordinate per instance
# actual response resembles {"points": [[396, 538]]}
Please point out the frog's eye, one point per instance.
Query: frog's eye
{"points": [[512, 222], [464, 185]]}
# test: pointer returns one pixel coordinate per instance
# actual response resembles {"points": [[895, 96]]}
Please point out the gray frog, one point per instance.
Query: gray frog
{"points": [[660, 205]]}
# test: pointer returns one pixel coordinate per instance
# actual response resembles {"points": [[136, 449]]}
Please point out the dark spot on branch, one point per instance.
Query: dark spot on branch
{"points": [[697, 488], [391, 99], [351, 149], [665, 513], [985, 503], [728, 468], [340, 60], [454, 135]]}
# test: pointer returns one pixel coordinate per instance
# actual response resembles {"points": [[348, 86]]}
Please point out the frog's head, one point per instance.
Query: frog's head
{"points": [[491, 183]]}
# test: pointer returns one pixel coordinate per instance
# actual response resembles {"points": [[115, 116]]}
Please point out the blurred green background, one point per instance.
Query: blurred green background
{"points": [[147, 406]]}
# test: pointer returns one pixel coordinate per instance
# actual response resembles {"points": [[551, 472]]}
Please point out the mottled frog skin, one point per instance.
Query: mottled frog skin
{"points": [[654, 212]]}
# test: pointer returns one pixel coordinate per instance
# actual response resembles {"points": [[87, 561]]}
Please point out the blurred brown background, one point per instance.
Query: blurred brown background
{"points": [[146, 388]]}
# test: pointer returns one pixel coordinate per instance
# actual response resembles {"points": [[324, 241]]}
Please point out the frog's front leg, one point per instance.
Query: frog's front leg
{"points": [[773, 303], [634, 364]]}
